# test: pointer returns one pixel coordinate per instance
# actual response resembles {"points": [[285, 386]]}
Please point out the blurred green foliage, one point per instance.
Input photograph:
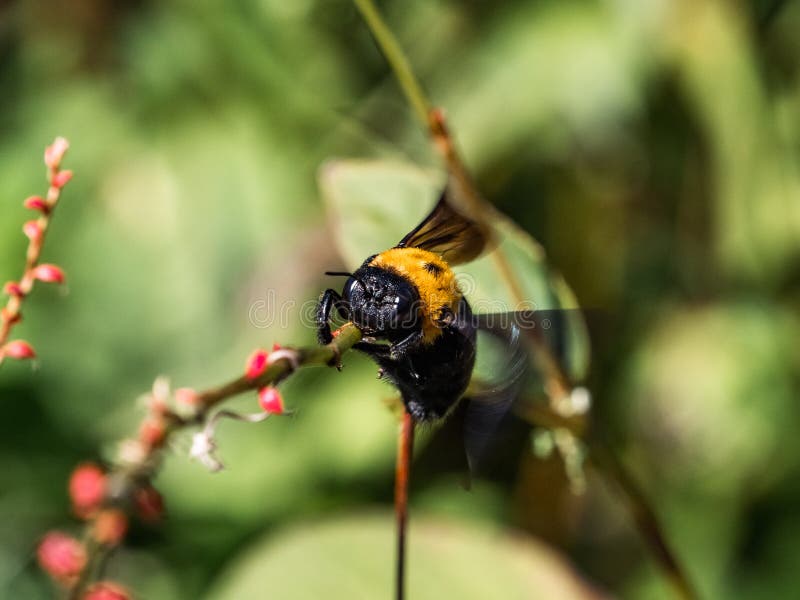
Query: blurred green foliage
{"points": [[649, 145]]}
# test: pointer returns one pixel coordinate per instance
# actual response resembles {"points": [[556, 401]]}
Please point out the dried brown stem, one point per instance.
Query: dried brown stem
{"points": [[557, 382], [405, 453]]}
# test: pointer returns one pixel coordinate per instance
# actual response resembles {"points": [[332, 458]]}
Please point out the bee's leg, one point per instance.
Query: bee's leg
{"points": [[399, 349], [378, 352], [328, 301]]}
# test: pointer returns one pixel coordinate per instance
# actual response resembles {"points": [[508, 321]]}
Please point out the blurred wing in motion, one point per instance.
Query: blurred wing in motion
{"points": [[504, 363]]}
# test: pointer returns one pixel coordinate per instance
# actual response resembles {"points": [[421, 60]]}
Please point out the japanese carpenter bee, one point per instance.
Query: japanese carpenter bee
{"points": [[418, 326]]}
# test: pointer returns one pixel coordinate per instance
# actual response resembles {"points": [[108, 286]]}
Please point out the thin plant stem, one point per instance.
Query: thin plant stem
{"points": [[128, 474], [558, 385], [405, 452], [11, 314], [647, 523], [391, 50]]}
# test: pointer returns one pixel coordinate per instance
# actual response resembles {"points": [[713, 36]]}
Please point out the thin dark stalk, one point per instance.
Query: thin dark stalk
{"points": [[558, 385], [770, 14], [647, 523], [405, 451]]}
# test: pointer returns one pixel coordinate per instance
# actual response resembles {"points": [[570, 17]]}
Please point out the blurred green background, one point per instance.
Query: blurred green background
{"points": [[650, 145]]}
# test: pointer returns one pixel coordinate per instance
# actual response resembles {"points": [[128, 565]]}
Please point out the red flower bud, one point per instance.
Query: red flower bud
{"points": [[36, 203], [109, 527], [149, 504], [152, 432], [12, 288], [106, 590], [276, 346], [18, 349], [32, 230], [61, 556], [55, 152], [257, 363], [49, 274], [270, 400], [10, 316], [61, 179], [87, 489], [186, 396]]}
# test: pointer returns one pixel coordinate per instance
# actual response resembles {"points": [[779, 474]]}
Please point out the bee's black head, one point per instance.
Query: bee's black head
{"points": [[381, 303]]}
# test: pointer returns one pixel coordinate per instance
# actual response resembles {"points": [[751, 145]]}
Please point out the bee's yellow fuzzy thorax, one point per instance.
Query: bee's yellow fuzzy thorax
{"points": [[433, 278]]}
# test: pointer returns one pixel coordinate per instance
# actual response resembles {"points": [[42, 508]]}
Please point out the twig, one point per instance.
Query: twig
{"points": [[558, 385], [391, 50], [647, 523], [36, 231], [139, 459]]}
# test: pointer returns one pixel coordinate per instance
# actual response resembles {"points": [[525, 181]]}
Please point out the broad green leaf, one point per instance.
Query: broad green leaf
{"points": [[353, 558], [373, 204]]}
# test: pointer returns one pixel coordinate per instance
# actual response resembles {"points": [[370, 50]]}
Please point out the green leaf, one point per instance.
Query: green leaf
{"points": [[353, 557], [373, 203]]}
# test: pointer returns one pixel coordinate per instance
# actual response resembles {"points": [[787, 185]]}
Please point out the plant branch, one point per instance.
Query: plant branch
{"points": [[36, 231], [140, 458], [558, 385], [647, 524]]}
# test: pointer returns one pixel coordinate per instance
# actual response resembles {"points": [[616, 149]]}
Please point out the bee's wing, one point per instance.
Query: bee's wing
{"points": [[446, 231], [492, 401]]}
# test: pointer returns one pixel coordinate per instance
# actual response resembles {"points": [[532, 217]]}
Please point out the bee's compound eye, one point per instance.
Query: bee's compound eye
{"points": [[405, 299], [349, 285]]}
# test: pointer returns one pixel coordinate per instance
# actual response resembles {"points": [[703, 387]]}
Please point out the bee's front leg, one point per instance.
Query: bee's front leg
{"points": [[399, 349], [329, 300]]}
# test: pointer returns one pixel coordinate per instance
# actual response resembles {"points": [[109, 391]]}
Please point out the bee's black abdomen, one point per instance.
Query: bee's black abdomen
{"points": [[432, 378]]}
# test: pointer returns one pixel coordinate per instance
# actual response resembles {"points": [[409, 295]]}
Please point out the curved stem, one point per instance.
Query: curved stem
{"points": [[645, 518], [128, 475], [11, 314], [558, 384], [396, 58]]}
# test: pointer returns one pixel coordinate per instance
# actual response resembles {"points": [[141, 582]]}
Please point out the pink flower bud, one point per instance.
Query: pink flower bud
{"points": [[55, 152], [149, 504], [270, 400], [186, 396], [36, 203], [61, 556], [18, 349], [257, 363], [110, 527], [106, 590], [61, 179], [12, 288], [153, 432], [49, 274], [87, 489], [32, 230]]}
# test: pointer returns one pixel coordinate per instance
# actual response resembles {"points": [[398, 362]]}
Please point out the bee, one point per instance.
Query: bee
{"points": [[417, 325]]}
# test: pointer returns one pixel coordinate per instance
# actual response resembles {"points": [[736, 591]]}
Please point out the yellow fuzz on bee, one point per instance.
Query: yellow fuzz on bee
{"points": [[433, 278]]}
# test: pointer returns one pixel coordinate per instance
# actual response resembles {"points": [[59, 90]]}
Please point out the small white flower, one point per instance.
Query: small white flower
{"points": [[202, 450], [284, 353]]}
